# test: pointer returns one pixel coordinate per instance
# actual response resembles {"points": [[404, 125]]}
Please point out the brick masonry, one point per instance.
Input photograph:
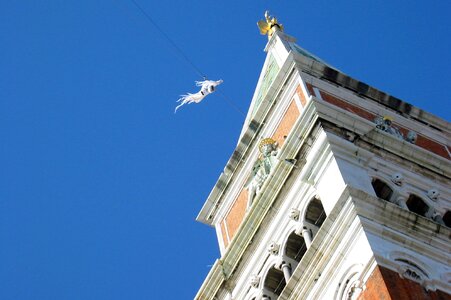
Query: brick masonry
{"points": [[236, 215], [288, 120], [301, 95], [384, 284]]}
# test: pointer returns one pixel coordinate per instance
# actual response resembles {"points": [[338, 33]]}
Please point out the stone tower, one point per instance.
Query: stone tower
{"points": [[336, 190]]}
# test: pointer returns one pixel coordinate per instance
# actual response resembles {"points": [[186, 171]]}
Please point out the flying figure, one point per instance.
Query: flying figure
{"points": [[207, 87]]}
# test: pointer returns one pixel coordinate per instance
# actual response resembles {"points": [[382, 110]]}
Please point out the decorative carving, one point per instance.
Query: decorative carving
{"points": [[262, 168], [411, 137], [433, 194], [269, 25], [273, 248], [294, 214], [397, 178], [254, 280], [408, 269], [386, 124], [354, 290], [412, 275]]}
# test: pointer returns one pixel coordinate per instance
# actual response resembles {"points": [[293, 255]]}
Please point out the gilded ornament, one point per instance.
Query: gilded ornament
{"points": [[269, 25]]}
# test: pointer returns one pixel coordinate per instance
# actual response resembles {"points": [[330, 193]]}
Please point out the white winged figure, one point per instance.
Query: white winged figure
{"points": [[207, 87]]}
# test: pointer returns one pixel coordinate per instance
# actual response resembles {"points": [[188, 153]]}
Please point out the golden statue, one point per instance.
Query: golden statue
{"points": [[269, 26]]}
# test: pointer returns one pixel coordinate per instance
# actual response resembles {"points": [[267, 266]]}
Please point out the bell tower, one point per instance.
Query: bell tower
{"points": [[336, 190]]}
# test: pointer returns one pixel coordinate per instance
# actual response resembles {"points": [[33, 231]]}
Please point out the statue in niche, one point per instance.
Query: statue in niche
{"points": [[262, 168]]}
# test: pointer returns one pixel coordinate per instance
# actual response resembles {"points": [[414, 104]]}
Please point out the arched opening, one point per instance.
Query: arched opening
{"points": [[274, 281], [382, 189], [295, 247], [315, 213], [417, 205], [447, 219]]}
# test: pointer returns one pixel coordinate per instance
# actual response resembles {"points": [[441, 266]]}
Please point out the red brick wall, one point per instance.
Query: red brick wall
{"points": [[288, 120], [301, 95], [236, 214], [375, 287], [385, 284]]}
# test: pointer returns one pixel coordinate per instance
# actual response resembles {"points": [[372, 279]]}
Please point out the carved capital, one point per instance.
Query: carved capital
{"points": [[397, 178], [280, 264]]}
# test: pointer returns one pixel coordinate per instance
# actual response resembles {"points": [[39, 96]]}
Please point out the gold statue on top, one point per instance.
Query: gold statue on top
{"points": [[269, 26]]}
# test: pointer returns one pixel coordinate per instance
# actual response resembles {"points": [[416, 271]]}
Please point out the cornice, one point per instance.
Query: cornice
{"points": [[323, 72], [367, 132]]}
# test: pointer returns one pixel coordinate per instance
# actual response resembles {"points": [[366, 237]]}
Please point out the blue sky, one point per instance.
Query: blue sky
{"points": [[100, 182]]}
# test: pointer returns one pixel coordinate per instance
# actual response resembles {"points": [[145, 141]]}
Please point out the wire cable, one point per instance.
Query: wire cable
{"points": [[231, 103], [173, 44], [182, 54]]}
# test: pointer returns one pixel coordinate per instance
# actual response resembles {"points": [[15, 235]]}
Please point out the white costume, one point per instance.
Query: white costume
{"points": [[207, 87]]}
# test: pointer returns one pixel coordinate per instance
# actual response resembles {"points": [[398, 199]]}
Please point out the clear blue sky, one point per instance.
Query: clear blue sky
{"points": [[100, 182]]}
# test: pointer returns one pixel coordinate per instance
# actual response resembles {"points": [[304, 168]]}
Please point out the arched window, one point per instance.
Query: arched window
{"points": [[447, 218], [382, 189], [315, 213], [417, 205], [295, 247], [274, 281]]}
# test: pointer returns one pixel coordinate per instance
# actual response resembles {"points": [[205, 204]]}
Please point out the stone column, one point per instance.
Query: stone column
{"points": [[306, 234], [286, 269], [401, 202]]}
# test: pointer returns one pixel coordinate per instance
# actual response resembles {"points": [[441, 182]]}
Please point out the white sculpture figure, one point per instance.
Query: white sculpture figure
{"points": [[207, 87], [386, 124], [262, 168]]}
